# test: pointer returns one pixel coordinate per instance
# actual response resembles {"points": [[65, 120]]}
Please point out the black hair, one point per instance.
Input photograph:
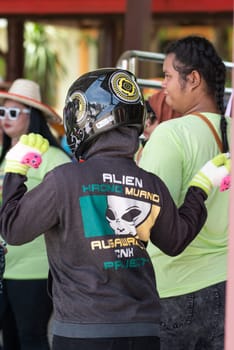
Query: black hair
{"points": [[198, 53], [38, 125]]}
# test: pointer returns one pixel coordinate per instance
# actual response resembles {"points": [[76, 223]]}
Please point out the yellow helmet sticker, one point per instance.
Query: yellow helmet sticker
{"points": [[79, 100], [124, 87]]}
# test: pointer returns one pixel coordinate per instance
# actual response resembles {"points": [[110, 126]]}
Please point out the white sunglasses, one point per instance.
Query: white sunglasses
{"points": [[13, 113]]}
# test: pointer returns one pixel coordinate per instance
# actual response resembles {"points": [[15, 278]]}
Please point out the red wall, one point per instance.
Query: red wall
{"points": [[192, 5], [108, 6]]}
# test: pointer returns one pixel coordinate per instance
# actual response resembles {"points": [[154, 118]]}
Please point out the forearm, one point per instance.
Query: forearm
{"points": [[14, 189]]}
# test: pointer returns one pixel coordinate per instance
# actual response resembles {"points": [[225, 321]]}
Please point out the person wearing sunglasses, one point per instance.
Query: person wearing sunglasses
{"points": [[26, 306], [12, 112]]}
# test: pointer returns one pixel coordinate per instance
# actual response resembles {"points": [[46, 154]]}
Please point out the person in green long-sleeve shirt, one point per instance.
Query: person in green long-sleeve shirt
{"points": [[192, 284], [25, 303]]}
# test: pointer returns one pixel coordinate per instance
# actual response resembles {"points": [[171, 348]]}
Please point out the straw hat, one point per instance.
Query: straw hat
{"points": [[28, 92]]}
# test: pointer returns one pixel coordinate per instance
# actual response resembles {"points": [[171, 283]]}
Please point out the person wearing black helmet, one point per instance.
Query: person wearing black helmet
{"points": [[99, 213]]}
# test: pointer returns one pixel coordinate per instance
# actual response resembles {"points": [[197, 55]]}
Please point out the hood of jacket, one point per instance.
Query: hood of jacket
{"points": [[119, 142]]}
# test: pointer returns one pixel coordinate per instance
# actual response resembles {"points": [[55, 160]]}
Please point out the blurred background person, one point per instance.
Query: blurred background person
{"points": [[26, 304]]}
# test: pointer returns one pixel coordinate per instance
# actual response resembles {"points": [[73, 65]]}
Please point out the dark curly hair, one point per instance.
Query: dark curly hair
{"points": [[198, 53]]}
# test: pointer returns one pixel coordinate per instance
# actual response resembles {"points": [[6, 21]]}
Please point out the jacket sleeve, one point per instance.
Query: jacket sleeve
{"points": [[176, 228], [19, 219]]}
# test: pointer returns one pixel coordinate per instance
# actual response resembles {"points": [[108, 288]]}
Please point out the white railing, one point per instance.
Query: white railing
{"points": [[130, 59]]}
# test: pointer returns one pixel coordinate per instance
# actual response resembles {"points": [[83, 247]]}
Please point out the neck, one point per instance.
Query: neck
{"points": [[14, 141]]}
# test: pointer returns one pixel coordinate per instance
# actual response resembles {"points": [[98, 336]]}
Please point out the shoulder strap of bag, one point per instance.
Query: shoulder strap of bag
{"points": [[214, 132]]}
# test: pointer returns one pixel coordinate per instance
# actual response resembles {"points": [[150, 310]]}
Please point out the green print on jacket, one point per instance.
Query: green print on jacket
{"points": [[112, 215], [93, 211]]}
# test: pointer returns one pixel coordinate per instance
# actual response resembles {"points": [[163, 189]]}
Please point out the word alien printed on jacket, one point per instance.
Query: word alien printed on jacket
{"points": [[119, 214]]}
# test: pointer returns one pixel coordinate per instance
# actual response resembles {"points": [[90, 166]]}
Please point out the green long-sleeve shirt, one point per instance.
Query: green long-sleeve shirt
{"points": [[29, 261], [176, 150]]}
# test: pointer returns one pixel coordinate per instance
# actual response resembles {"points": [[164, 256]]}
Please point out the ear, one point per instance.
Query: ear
{"points": [[194, 79]]}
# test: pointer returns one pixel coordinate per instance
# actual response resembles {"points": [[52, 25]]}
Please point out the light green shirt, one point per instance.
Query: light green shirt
{"points": [[29, 261], [176, 150]]}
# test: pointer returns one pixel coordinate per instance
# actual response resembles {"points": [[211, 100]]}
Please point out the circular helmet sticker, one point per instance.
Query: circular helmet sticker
{"points": [[79, 102], [124, 87]]}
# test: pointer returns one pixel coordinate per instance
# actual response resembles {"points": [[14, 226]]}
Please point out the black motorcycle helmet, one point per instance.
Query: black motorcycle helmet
{"points": [[99, 101]]}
